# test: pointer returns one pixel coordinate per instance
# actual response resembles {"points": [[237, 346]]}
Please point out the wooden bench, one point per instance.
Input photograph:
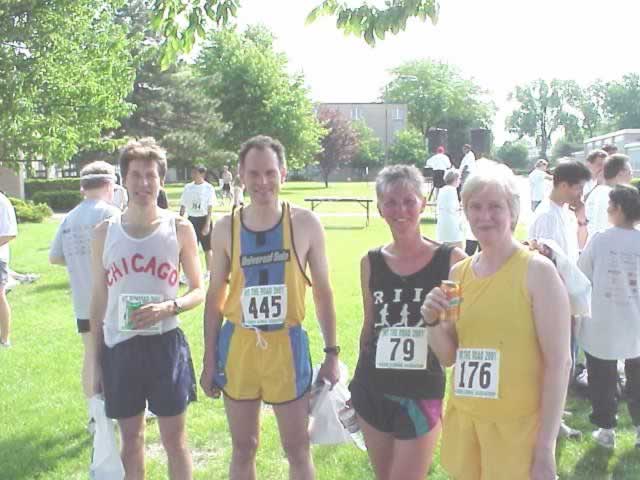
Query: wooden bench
{"points": [[364, 202]]}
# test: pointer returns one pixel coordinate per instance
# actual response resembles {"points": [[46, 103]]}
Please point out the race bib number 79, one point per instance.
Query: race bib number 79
{"points": [[403, 348], [264, 305], [477, 373]]}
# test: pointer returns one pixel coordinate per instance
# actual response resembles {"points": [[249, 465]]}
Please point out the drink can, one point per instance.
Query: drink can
{"points": [[132, 306], [452, 290]]}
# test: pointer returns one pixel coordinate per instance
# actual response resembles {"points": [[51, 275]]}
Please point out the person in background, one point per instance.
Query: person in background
{"points": [[616, 171], [509, 345], [449, 226], [120, 197], [537, 179], [439, 163], [610, 148], [227, 179], [468, 163], [197, 201], [71, 247], [595, 163], [238, 192], [612, 332], [8, 232], [398, 398]]}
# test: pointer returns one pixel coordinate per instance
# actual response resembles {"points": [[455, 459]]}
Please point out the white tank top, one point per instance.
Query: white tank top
{"points": [[139, 271]]}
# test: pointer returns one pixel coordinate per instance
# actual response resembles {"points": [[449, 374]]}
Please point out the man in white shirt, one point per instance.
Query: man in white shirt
{"points": [[439, 163], [616, 171], [595, 164], [227, 178], [537, 179], [553, 220], [197, 201], [72, 247], [8, 231], [468, 163]]}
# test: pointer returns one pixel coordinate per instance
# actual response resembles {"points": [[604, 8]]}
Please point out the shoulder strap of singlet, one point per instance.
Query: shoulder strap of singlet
{"points": [[233, 227], [375, 262], [442, 260]]}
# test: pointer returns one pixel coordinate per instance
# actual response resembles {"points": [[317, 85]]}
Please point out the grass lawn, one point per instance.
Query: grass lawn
{"points": [[42, 412]]}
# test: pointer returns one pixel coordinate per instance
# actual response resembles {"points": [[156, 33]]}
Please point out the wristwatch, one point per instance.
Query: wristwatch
{"points": [[333, 350], [177, 308]]}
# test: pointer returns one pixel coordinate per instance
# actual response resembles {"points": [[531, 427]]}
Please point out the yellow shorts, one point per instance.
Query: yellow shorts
{"points": [[273, 366], [475, 449]]}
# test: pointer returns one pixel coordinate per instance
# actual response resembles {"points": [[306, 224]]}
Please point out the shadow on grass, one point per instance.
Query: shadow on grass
{"points": [[628, 465], [41, 286], [31, 456], [593, 464]]}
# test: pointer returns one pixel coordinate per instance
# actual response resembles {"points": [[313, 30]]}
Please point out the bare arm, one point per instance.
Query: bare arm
{"points": [[443, 339], [216, 296], [553, 324], [98, 305], [322, 294], [152, 313], [367, 303]]}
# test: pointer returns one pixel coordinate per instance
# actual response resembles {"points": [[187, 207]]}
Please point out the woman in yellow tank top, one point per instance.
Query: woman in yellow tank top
{"points": [[510, 345]]}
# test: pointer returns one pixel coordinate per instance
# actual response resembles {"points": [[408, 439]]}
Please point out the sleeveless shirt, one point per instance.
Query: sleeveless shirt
{"points": [[496, 313], [397, 300], [139, 266], [262, 259]]}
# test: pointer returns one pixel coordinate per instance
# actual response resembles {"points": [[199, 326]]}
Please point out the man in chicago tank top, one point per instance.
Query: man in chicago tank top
{"points": [[261, 352], [142, 357]]}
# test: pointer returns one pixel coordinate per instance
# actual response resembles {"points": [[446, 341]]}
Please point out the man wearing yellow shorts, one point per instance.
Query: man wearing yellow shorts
{"points": [[258, 284]]}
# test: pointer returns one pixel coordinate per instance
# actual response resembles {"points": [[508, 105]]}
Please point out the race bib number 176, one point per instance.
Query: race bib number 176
{"points": [[477, 373]]}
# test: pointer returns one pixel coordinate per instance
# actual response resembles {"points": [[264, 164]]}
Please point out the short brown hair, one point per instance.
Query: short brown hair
{"points": [[144, 149], [263, 142], [595, 155]]}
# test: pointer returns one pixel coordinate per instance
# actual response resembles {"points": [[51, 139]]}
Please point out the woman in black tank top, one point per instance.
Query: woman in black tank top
{"points": [[398, 385]]}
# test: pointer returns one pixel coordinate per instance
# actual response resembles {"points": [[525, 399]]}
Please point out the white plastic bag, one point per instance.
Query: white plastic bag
{"points": [[106, 463], [577, 284], [325, 427]]}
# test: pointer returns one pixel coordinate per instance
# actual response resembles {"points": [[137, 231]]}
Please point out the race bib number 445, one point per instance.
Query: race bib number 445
{"points": [[403, 348], [477, 373], [264, 305]]}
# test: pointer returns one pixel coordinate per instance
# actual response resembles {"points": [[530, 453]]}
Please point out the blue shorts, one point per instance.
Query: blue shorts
{"points": [[403, 418], [156, 369]]}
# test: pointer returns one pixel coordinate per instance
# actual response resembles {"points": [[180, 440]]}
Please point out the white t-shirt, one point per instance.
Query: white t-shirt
{"points": [[197, 198], [588, 188], [558, 223], [73, 243], [439, 162], [8, 225], [120, 197], [611, 260], [449, 226], [595, 209], [468, 161], [536, 184]]}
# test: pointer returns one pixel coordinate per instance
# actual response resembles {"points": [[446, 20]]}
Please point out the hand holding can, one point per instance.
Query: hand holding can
{"points": [[452, 291]]}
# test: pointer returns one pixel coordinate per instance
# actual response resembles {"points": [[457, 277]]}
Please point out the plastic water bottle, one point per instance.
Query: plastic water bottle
{"points": [[349, 420]]}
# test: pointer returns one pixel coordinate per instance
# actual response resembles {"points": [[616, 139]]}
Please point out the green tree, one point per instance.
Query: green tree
{"points": [[182, 22], [370, 152], [339, 144], [408, 148], [170, 105], [256, 94], [543, 109], [565, 148], [623, 102], [438, 96], [590, 104], [65, 69], [513, 154]]}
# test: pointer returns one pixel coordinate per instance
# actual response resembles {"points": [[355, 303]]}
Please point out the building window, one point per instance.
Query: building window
{"points": [[356, 114], [397, 113]]}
